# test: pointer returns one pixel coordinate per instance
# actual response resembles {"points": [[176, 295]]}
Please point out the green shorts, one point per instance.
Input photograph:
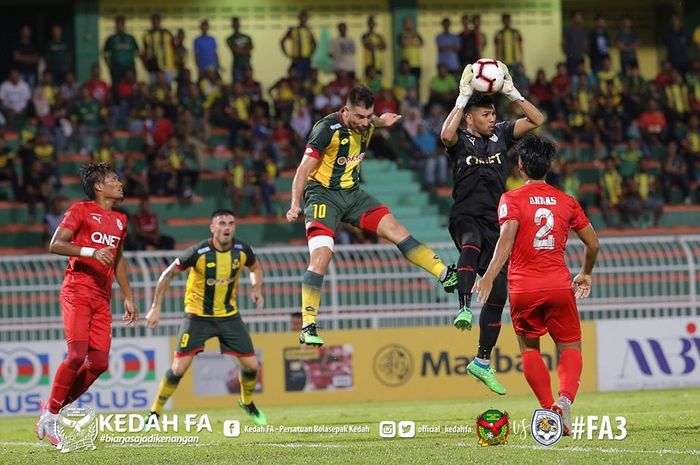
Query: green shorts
{"points": [[324, 208], [232, 333]]}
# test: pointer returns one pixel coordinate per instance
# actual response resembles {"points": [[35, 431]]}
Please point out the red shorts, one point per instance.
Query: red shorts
{"points": [[534, 314], [87, 318]]}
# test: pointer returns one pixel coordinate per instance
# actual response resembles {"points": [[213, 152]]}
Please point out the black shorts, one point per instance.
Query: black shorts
{"points": [[476, 231], [230, 330]]}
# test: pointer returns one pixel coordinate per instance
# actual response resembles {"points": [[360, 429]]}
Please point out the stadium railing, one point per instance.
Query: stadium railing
{"points": [[367, 286]]}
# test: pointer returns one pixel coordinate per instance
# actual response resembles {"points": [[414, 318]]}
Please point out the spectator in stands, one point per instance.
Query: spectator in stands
{"points": [[194, 135], [46, 154], [342, 49], [251, 87], [678, 103], [385, 102], [541, 93], [653, 124], [303, 46], [8, 171], [571, 184], [691, 146], [373, 80], [97, 87], [58, 58], [267, 172], [159, 129], [205, 52], [443, 88], [183, 166], [53, 217], [473, 40], [509, 43], [410, 44], [147, 229], [131, 181], [598, 43], [628, 159], [575, 42], [404, 80], [609, 124], [301, 121], [87, 117], [431, 160], [158, 54], [677, 41], [561, 87], [25, 55], [120, 52], [627, 42], [638, 199], [15, 94], [448, 46], [235, 182], [241, 46], [70, 89], [104, 153], [675, 173], [180, 51], [514, 180], [610, 195], [36, 187], [374, 46]]}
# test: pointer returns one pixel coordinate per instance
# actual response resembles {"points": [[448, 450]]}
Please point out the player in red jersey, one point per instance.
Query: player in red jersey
{"points": [[92, 235], [535, 221]]}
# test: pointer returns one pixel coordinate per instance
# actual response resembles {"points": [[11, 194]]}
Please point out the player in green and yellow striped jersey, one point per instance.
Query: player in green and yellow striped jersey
{"points": [[328, 178], [211, 309]]}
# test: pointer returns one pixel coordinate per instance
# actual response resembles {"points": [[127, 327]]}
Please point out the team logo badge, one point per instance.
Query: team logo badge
{"points": [[120, 225], [492, 427], [546, 427], [393, 365], [76, 428], [493, 138]]}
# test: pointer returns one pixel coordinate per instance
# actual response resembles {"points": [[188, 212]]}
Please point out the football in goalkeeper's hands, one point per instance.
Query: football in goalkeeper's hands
{"points": [[488, 76]]}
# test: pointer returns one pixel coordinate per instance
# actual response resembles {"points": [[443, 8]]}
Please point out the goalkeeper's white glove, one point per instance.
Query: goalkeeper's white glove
{"points": [[465, 87], [508, 88]]}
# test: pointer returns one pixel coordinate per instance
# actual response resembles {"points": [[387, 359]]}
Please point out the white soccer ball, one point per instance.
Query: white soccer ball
{"points": [[488, 76]]}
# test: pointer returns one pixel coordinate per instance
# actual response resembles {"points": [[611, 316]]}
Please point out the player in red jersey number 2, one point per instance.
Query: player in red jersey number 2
{"points": [[92, 235], [535, 221]]}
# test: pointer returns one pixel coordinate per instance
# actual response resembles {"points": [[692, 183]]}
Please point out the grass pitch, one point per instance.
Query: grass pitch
{"points": [[662, 427]]}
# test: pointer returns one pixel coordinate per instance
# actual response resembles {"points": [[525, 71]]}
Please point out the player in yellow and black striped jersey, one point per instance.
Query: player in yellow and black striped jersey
{"points": [[328, 179], [211, 308]]}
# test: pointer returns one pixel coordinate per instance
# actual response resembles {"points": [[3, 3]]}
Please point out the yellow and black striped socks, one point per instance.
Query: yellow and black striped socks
{"points": [[248, 380], [165, 390], [310, 296], [422, 255]]}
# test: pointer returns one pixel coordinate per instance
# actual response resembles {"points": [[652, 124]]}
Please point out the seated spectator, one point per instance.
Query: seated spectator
{"points": [[301, 122], [691, 146], [158, 130], [652, 123], [328, 101], [46, 154], [675, 173], [610, 195], [638, 199], [99, 90], [251, 87], [342, 85], [131, 181], [236, 186], [677, 99], [104, 153], [147, 229], [52, 218], [385, 103], [431, 159], [373, 80], [183, 167], [267, 173], [87, 117], [70, 89], [14, 98], [194, 134], [8, 171], [404, 80], [561, 87], [443, 88], [514, 180], [36, 188], [628, 159], [571, 184], [541, 93]]}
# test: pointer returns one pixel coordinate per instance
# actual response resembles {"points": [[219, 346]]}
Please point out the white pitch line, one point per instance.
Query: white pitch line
{"points": [[23, 443], [609, 450], [290, 445]]}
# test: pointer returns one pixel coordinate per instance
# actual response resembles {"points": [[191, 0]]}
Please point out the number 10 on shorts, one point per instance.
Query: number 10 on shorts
{"points": [[319, 210]]}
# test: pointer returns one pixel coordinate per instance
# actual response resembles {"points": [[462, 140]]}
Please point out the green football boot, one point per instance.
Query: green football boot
{"points": [[486, 376], [254, 413], [449, 282], [310, 337], [463, 320]]}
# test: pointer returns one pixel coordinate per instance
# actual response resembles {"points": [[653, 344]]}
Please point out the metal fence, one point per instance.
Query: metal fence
{"points": [[368, 286]]}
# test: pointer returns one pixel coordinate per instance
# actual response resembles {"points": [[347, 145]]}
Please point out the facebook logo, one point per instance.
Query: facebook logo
{"points": [[232, 428]]}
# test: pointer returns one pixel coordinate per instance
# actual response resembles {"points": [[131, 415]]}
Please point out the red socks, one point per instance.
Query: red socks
{"points": [[537, 377], [95, 364], [570, 367], [75, 375]]}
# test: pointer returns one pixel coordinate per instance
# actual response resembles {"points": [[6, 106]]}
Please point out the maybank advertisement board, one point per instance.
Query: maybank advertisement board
{"points": [[372, 365], [135, 369]]}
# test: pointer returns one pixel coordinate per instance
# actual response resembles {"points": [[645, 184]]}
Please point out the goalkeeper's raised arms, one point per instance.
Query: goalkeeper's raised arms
{"points": [[508, 88], [465, 87]]}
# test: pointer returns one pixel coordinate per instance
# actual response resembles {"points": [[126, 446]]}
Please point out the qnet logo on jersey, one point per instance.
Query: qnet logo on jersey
{"points": [[131, 382], [24, 379], [648, 354]]}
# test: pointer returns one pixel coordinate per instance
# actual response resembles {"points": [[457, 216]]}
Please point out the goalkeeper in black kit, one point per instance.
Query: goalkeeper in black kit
{"points": [[478, 156]]}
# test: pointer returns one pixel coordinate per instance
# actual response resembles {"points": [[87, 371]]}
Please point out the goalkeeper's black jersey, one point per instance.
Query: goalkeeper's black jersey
{"points": [[479, 171]]}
